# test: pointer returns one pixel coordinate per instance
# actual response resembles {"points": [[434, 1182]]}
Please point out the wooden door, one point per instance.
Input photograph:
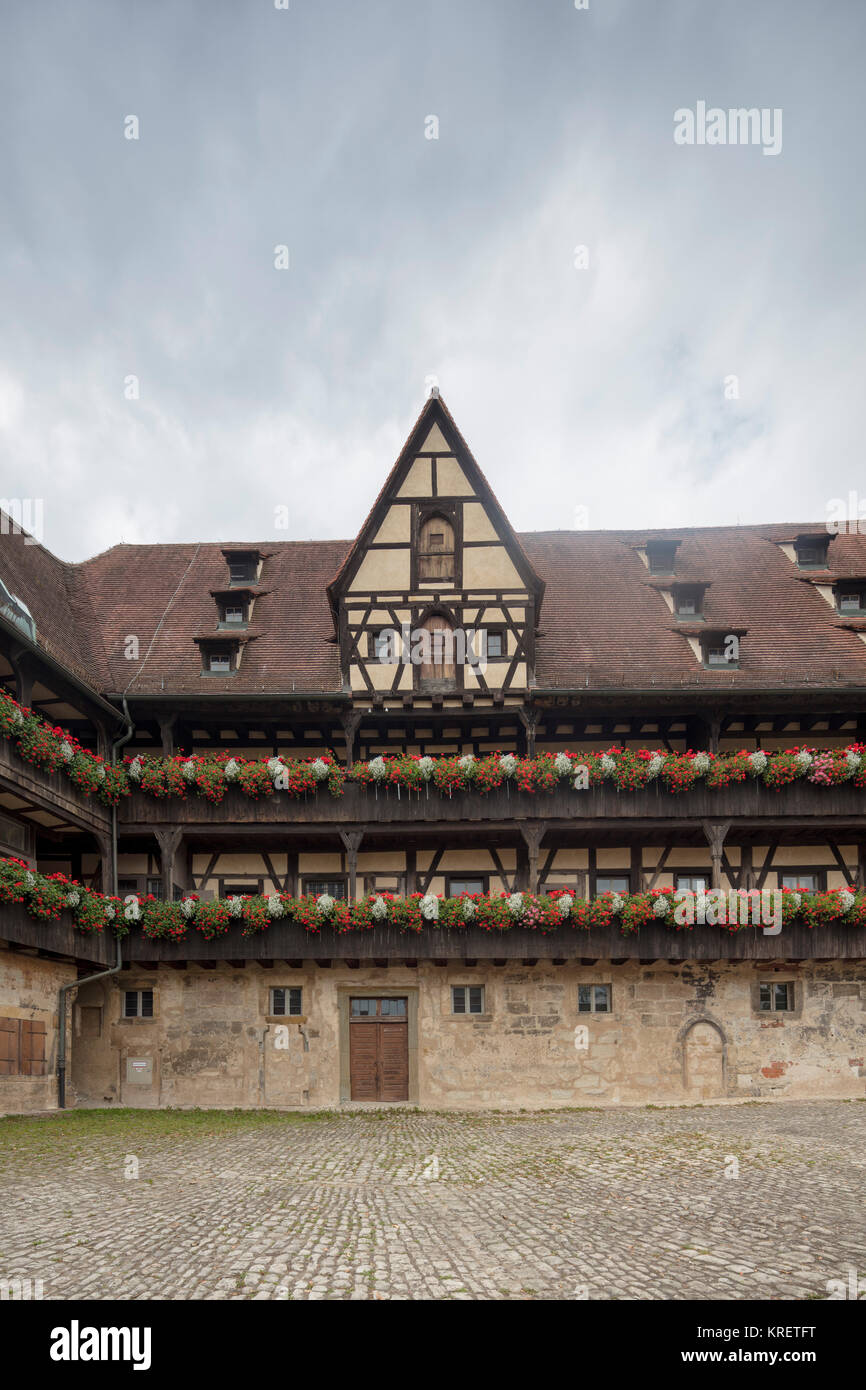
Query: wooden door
{"points": [[440, 667], [436, 549], [378, 1049]]}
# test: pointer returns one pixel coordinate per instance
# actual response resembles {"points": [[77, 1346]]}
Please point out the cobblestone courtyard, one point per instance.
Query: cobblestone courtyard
{"points": [[559, 1205]]}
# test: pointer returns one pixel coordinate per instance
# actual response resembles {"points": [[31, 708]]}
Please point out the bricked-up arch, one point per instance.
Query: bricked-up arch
{"points": [[683, 1051]]}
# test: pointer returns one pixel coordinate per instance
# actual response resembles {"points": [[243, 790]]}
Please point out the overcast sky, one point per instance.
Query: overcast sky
{"points": [[600, 387]]}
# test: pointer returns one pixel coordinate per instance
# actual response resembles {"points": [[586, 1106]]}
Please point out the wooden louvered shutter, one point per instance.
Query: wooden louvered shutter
{"points": [[33, 1047], [9, 1046]]}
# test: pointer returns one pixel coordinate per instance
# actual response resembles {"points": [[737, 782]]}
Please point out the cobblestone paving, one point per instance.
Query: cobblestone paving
{"points": [[561, 1205]]}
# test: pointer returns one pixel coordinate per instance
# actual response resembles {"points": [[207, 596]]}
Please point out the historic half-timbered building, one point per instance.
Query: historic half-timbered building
{"points": [[439, 634]]}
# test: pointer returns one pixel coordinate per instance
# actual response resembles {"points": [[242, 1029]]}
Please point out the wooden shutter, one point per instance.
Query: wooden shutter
{"points": [[436, 549], [33, 1037], [9, 1049]]}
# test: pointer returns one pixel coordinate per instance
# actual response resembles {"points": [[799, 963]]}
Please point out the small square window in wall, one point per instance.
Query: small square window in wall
{"points": [[138, 1003], [776, 998], [285, 1002], [692, 883], [467, 999], [612, 883], [593, 999], [219, 664], [495, 646]]}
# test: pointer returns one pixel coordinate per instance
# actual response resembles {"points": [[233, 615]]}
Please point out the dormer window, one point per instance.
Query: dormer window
{"points": [[219, 658], [720, 651], [661, 555], [689, 600], [243, 566], [234, 613], [851, 599], [219, 663], [811, 551]]}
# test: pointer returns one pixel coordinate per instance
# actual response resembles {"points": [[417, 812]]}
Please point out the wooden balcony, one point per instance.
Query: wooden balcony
{"points": [[800, 807], [47, 800], [57, 938]]}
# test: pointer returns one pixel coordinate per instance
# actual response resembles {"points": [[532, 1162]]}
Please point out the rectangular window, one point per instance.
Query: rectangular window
{"points": [[467, 999], [334, 887], [495, 645], [234, 613], [800, 881], [812, 556], [243, 569], [661, 555], [612, 883], [718, 656], [384, 646], [593, 999], [692, 883], [456, 886], [850, 602], [138, 1003], [286, 1002], [364, 1008], [239, 890], [219, 663], [154, 887], [776, 998], [686, 606]]}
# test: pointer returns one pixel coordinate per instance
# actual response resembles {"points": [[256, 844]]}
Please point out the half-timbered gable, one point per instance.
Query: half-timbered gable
{"points": [[437, 596]]}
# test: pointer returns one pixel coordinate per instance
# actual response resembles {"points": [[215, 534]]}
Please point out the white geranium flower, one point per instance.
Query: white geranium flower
{"points": [[508, 764], [29, 878], [136, 767], [236, 906], [379, 908], [564, 904], [853, 759], [466, 761], [426, 766], [430, 907], [100, 773], [275, 766], [73, 898], [515, 904], [132, 910], [758, 761], [324, 904], [67, 750], [701, 904], [187, 907], [469, 909], [797, 900], [275, 905], [232, 768], [660, 907], [320, 769], [110, 912], [379, 768], [616, 903], [17, 717], [188, 769], [701, 763], [846, 900], [562, 764], [803, 758], [608, 765], [654, 766]]}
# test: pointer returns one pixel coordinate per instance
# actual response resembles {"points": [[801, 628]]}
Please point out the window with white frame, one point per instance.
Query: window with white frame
{"points": [[138, 1003], [467, 999], [593, 999], [776, 996], [286, 1001]]}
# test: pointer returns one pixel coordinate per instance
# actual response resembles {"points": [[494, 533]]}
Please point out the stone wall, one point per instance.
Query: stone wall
{"points": [[676, 1032], [28, 990]]}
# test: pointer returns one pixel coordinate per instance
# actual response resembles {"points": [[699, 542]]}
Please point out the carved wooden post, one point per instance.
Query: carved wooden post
{"points": [[715, 831], [351, 843], [533, 835], [350, 723], [169, 842], [166, 729], [529, 720]]}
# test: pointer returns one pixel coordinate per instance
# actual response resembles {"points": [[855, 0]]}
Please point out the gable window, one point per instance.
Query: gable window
{"points": [[775, 997], [219, 658], [243, 566], [689, 600], [285, 1002], [467, 999], [661, 555], [436, 549], [721, 650], [138, 1003], [593, 999], [811, 552]]}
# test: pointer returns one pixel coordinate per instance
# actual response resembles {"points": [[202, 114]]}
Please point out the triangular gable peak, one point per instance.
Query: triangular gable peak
{"points": [[436, 548]]}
